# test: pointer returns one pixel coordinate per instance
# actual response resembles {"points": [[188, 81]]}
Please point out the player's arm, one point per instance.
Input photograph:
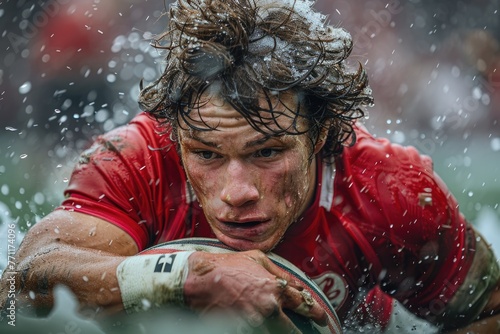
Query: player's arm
{"points": [[73, 249], [489, 323], [485, 275], [429, 242], [95, 260]]}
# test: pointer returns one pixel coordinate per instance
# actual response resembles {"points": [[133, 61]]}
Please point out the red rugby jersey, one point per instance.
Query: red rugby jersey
{"points": [[381, 217]]}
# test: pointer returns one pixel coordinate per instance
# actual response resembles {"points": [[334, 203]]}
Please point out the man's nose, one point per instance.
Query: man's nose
{"points": [[239, 185]]}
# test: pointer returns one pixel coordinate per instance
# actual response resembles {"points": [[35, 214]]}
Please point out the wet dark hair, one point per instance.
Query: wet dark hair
{"points": [[249, 50]]}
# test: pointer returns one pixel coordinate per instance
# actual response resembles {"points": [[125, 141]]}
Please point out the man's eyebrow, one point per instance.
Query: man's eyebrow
{"points": [[259, 141], [256, 142], [194, 136]]}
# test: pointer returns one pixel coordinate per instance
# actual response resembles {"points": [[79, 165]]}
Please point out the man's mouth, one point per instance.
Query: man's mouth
{"points": [[244, 225], [250, 229]]}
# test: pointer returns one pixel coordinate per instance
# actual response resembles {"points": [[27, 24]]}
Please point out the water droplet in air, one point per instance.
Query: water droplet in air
{"points": [[25, 88], [495, 144]]}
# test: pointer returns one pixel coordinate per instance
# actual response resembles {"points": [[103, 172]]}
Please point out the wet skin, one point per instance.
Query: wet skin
{"points": [[251, 187]]}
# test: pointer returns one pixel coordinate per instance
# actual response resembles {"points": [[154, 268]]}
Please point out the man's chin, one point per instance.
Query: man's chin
{"points": [[245, 245]]}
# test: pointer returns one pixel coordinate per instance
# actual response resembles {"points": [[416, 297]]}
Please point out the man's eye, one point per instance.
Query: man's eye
{"points": [[206, 155], [266, 153]]}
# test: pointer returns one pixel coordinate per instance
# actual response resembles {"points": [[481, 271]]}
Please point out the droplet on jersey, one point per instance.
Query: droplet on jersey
{"points": [[424, 199]]}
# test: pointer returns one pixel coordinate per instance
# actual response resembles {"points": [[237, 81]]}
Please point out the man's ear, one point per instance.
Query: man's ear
{"points": [[323, 134]]}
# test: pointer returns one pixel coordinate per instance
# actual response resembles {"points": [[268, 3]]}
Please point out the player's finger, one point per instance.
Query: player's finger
{"points": [[302, 302], [272, 268], [292, 292]]}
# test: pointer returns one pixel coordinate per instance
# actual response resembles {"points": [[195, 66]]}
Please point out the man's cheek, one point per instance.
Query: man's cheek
{"points": [[200, 181]]}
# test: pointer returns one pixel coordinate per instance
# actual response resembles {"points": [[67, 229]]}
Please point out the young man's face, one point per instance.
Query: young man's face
{"points": [[251, 187]]}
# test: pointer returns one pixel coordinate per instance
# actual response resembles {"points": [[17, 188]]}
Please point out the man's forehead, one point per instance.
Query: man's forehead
{"points": [[276, 100], [274, 114]]}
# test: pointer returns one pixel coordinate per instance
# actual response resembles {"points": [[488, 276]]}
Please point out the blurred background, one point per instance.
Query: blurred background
{"points": [[70, 69]]}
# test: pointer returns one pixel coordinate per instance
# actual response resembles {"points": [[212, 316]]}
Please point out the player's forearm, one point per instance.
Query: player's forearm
{"points": [[486, 325], [493, 306], [90, 274], [490, 317]]}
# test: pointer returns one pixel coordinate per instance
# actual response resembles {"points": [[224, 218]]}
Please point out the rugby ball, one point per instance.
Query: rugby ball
{"points": [[215, 246]]}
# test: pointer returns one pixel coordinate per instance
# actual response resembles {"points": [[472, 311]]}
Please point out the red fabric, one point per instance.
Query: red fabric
{"points": [[392, 222]]}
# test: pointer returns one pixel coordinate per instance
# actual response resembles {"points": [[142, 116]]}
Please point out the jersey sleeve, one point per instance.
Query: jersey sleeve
{"points": [[124, 178], [419, 247]]}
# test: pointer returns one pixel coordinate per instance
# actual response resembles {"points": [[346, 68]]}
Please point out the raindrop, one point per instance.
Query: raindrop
{"points": [[102, 115], [495, 144], [455, 71], [146, 304], [4, 189], [23, 156], [476, 93], [398, 137], [25, 88], [111, 78], [39, 198]]}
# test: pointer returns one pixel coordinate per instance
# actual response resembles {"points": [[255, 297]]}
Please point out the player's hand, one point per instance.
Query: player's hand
{"points": [[251, 285]]}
